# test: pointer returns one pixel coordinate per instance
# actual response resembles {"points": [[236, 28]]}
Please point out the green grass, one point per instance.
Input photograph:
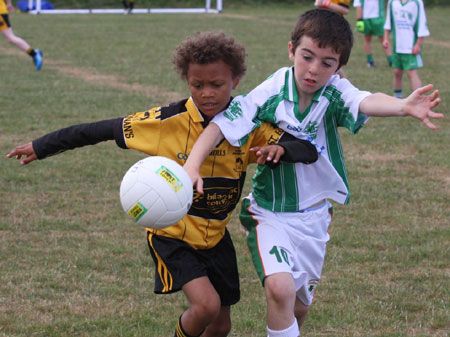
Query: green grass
{"points": [[73, 264]]}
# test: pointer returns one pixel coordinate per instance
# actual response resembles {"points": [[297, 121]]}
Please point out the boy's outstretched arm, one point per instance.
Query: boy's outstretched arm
{"points": [[417, 105], [69, 138], [205, 143]]}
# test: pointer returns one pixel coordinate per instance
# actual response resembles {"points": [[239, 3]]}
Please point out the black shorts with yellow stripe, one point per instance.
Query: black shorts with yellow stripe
{"points": [[177, 263], [4, 22]]}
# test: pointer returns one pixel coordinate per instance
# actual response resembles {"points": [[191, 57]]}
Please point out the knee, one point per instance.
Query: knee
{"points": [[412, 74], [398, 73], [208, 307], [279, 289]]}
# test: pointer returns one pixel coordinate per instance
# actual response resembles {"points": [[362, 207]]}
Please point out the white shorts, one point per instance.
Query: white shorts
{"points": [[291, 242]]}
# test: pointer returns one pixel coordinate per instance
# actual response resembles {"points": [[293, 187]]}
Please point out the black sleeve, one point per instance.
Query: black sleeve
{"points": [[296, 151], [79, 135]]}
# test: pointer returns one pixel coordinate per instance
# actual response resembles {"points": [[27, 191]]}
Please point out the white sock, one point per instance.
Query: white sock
{"points": [[292, 331]]}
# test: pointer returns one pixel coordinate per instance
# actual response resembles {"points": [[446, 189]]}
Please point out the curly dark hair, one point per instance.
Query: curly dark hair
{"points": [[328, 29], [210, 47]]}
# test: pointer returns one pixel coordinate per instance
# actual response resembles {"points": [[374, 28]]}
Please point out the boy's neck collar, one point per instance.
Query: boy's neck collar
{"points": [[207, 119]]}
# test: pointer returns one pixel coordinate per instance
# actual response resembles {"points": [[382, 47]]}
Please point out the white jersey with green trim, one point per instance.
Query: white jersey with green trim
{"points": [[293, 187], [407, 22], [372, 9]]}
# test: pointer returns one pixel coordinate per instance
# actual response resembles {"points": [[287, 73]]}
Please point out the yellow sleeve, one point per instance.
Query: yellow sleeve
{"points": [[3, 9], [142, 131], [345, 3]]}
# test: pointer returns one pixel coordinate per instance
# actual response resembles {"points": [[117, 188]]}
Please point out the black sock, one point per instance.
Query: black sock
{"points": [[179, 331]]}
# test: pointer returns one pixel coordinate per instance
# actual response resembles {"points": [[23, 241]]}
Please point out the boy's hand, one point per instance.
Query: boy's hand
{"points": [[23, 150], [385, 43], [194, 174], [9, 6], [416, 49], [268, 153], [419, 105]]}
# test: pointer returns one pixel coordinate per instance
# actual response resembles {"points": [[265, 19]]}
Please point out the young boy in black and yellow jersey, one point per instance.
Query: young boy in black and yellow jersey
{"points": [[195, 255], [7, 32]]}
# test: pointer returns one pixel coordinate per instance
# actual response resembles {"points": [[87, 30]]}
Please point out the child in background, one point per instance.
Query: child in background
{"points": [[288, 213], [128, 6], [7, 32], [196, 255], [370, 16], [408, 23], [337, 6]]}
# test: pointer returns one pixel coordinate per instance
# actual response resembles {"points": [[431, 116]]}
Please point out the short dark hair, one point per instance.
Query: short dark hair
{"points": [[210, 47], [328, 29]]}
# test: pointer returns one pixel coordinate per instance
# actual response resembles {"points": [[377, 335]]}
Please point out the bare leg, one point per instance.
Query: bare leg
{"points": [[300, 311], [204, 306], [19, 42], [368, 44], [398, 75], [221, 326], [280, 296], [414, 78]]}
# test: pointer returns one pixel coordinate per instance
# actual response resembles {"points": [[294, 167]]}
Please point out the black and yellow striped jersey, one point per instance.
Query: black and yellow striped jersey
{"points": [[3, 9], [343, 3], [171, 132]]}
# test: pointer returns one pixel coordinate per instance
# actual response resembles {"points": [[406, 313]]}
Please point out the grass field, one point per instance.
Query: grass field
{"points": [[72, 263]]}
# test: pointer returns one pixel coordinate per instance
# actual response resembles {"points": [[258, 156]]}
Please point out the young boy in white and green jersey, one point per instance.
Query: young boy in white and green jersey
{"points": [[288, 213], [408, 23], [370, 16]]}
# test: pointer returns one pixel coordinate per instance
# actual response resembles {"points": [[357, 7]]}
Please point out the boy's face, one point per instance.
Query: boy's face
{"points": [[211, 86], [313, 66]]}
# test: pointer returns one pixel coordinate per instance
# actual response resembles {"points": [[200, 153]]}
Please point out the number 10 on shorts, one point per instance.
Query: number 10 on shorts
{"points": [[280, 254]]}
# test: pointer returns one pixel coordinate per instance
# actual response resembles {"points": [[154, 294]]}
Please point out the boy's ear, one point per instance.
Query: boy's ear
{"points": [[236, 81], [291, 52]]}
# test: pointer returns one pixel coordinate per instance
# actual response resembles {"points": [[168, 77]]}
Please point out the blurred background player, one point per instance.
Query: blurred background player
{"points": [[128, 6], [337, 6], [370, 16], [408, 23], [7, 32]]}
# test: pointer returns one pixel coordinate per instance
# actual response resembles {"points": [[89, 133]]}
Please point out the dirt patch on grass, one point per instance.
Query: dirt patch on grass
{"points": [[106, 80], [438, 43]]}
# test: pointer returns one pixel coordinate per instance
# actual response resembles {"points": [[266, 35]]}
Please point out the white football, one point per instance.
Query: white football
{"points": [[156, 192]]}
